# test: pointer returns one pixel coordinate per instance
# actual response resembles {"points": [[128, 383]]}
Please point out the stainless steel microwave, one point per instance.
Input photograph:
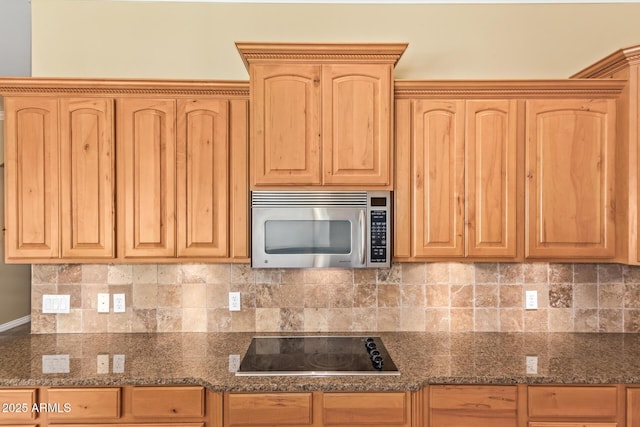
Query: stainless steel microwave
{"points": [[320, 229]]}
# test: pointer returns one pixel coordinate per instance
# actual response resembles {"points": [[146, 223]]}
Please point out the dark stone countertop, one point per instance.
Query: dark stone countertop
{"points": [[422, 358]]}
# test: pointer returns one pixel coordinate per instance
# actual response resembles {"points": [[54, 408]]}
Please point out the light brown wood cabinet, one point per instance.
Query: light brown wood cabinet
{"points": [[180, 164], [461, 406], [623, 65], [456, 179], [16, 405], [110, 406], [146, 146], [60, 178], [570, 184], [321, 114], [601, 406], [317, 409]]}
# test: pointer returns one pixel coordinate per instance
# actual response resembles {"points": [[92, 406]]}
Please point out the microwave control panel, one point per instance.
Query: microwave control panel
{"points": [[379, 229], [378, 236]]}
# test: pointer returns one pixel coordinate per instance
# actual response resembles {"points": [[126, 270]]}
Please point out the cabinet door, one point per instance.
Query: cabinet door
{"points": [[462, 406], [491, 142], [356, 103], [438, 178], [285, 124], [32, 192], [87, 178], [146, 177], [366, 409], [202, 175], [570, 178], [633, 407], [268, 409]]}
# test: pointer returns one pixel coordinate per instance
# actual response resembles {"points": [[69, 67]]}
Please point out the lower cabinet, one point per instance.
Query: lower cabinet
{"points": [[432, 406], [317, 409], [162, 406], [569, 406], [461, 406]]}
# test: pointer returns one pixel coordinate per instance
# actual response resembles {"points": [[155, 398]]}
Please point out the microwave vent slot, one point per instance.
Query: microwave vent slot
{"points": [[308, 198]]}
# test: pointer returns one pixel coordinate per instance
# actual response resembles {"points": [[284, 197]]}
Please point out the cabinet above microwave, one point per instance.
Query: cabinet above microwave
{"points": [[321, 114]]}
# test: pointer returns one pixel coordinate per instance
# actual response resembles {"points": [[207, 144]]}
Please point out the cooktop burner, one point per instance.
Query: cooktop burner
{"points": [[317, 355]]}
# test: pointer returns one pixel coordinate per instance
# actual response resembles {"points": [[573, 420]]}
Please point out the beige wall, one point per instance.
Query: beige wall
{"points": [[100, 38], [15, 281]]}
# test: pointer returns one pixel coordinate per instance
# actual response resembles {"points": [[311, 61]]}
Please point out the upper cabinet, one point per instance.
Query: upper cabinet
{"points": [[137, 171], [624, 64], [570, 178], [321, 114], [507, 171], [456, 178]]}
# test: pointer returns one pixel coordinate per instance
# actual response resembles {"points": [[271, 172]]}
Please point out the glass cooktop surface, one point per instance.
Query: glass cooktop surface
{"points": [[317, 355]]}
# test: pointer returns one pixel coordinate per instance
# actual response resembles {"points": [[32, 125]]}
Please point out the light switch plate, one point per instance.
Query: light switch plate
{"points": [[56, 304], [234, 362], [55, 363]]}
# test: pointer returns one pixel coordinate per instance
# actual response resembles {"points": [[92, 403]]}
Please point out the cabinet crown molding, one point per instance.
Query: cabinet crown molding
{"points": [[123, 87], [609, 65], [467, 89], [253, 52]]}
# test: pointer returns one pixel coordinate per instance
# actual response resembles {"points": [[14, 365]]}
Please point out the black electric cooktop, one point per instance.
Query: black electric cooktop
{"points": [[316, 355]]}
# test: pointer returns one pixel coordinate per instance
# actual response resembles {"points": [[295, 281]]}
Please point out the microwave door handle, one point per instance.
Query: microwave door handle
{"points": [[363, 237]]}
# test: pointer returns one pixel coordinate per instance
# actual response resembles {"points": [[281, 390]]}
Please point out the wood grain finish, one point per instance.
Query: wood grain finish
{"points": [[87, 178], [491, 166], [203, 178], [19, 403], [566, 402], [167, 402], [571, 178], [462, 406], [438, 178], [369, 409], [32, 184], [321, 114], [286, 124], [85, 403], [147, 181], [268, 409], [356, 124]]}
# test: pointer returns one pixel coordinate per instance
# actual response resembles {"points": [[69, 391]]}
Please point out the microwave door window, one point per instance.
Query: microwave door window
{"points": [[297, 237]]}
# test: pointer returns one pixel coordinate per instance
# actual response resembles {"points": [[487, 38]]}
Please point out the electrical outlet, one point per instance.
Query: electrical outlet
{"points": [[234, 301], [103, 364], [119, 305], [531, 365], [118, 363], [531, 300], [56, 303], [103, 303]]}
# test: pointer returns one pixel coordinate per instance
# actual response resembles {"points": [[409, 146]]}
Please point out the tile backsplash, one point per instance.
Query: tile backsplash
{"points": [[456, 297]]}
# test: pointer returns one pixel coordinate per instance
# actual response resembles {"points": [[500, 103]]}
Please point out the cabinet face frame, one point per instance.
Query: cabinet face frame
{"points": [[32, 178], [562, 137]]}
